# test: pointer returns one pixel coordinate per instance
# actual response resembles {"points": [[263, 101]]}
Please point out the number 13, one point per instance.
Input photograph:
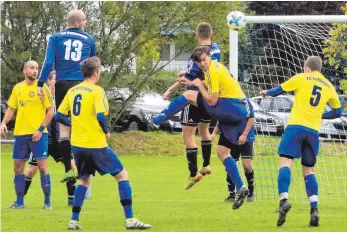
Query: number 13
{"points": [[77, 53]]}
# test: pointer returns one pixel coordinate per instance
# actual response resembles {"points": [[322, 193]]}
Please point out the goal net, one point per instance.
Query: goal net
{"points": [[270, 54]]}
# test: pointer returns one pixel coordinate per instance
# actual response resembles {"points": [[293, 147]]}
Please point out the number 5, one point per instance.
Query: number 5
{"points": [[314, 101]]}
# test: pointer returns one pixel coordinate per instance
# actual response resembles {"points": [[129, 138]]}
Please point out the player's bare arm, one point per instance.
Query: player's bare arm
{"points": [[8, 116]]}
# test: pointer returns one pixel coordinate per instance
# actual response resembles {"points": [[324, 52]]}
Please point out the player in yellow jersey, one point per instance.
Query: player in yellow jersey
{"points": [[301, 138], [225, 101], [30, 133], [88, 105]]}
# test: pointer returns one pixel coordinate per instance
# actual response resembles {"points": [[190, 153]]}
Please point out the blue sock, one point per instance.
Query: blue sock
{"points": [[19, 186], [233, 172], [284, 181], [126, 198], [175, 106], [46, 187], [312, 190], [80, 193]]}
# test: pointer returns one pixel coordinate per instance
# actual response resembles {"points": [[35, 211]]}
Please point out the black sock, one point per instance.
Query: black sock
{"points": [[250, 180], [206, 147], [192, 157], [65, 150], [27, 184], [71, 187], [231, 186]]}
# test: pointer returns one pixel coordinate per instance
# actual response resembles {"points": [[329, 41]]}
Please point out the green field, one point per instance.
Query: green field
{"points": [[159, 198]]}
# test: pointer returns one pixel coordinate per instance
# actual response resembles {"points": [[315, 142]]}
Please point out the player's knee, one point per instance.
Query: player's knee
{"points": [[307, 169], [122, 175], [247, 164], [85, 181], [18, 167], [32, 171]]}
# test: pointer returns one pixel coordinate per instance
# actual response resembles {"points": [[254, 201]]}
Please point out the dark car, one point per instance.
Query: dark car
{"points": [[139, 114]]}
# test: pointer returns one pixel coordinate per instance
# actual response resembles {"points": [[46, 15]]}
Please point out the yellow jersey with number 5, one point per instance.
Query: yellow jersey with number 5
{"points": [[85, 101], [312, 92]]}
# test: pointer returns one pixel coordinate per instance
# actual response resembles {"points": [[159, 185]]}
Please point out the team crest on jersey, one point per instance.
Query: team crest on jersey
{"points": [[31, 94]]}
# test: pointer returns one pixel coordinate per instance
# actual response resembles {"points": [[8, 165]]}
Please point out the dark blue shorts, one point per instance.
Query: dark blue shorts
{"points": [[89, 160], [300, 142], [23, 146], [226, 110]]}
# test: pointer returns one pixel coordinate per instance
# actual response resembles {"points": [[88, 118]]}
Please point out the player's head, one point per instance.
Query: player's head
{"points": [[313, 64], [31, 70], [51, 78], [204, 31], [91, 68], [76, 19], [201, 55]]}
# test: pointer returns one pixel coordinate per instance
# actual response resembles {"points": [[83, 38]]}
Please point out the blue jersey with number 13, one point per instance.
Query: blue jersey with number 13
{"points": [[66, 50]]}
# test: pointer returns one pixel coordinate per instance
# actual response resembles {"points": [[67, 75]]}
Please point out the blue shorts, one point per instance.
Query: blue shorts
{"points": [[103, 160], [226, 110], [23, 146], [300, 142], [232, 131]]}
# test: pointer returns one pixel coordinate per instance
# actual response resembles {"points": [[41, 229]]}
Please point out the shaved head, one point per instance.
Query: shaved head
{"points": [[76, 19], [30, 63]]}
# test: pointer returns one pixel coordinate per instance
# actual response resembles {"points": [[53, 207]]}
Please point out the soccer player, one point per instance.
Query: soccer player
{"points": [[88, 105], [245, 149], [193, 116], [65, 50], [53, 150], [30, 133], [225, 102], [301, 138]]}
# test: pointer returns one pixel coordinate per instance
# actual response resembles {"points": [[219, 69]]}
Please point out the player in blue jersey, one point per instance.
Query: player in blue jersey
{"points": [[89, 134], [193, 116], [244, 149], [30, 133], [65, 50], [301, 138]]}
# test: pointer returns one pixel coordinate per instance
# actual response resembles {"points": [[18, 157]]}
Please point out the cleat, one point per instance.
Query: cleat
{"points": [[230, 198], [314, 219], [250, 197], [68, 176], [283, 210], [240, 197], [193, 180], [48, 206], [205, 170], [16, 206], [74, 225], [135, 224]]}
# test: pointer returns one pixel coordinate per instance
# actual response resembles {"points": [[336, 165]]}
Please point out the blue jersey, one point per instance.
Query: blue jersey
{"points": [[66, 50], [193, 70]]}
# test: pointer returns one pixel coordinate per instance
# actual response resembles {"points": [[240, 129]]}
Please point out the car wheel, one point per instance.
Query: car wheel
{"points": [[135, 124]]}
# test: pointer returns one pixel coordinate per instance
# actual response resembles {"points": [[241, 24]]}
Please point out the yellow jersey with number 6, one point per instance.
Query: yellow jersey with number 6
{"points": [[312, 92], [85, 101]]}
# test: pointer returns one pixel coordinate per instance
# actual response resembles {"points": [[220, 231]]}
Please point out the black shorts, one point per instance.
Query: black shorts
{"points": [[53, 150], [61, 88], [245, 151], [192, 115]]}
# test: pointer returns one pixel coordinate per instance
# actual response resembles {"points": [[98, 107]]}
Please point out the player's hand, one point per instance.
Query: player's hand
{"points": [[197, 82], [40, 93], [263, 93], [3, 129], [37, 136], [181, 74], [166, 94], [185, 81], [242, 139], [108, 136]]}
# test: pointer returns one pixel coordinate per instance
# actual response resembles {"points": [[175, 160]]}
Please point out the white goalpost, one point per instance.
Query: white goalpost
{"points": [[272, 50]]}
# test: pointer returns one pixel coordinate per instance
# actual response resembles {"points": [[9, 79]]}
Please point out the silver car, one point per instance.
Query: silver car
{"points": [[331, 129]]}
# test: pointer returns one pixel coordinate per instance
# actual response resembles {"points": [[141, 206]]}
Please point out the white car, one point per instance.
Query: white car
{"points": [[331, 129]]}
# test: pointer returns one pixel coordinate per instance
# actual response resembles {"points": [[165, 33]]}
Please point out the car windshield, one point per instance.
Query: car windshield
{"points": [[152, 99], [256, 107]]}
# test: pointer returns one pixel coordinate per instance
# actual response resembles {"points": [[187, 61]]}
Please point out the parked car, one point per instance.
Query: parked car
{"points": [[343, 100], [332, 129], [265, 123], [138, 115]]}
